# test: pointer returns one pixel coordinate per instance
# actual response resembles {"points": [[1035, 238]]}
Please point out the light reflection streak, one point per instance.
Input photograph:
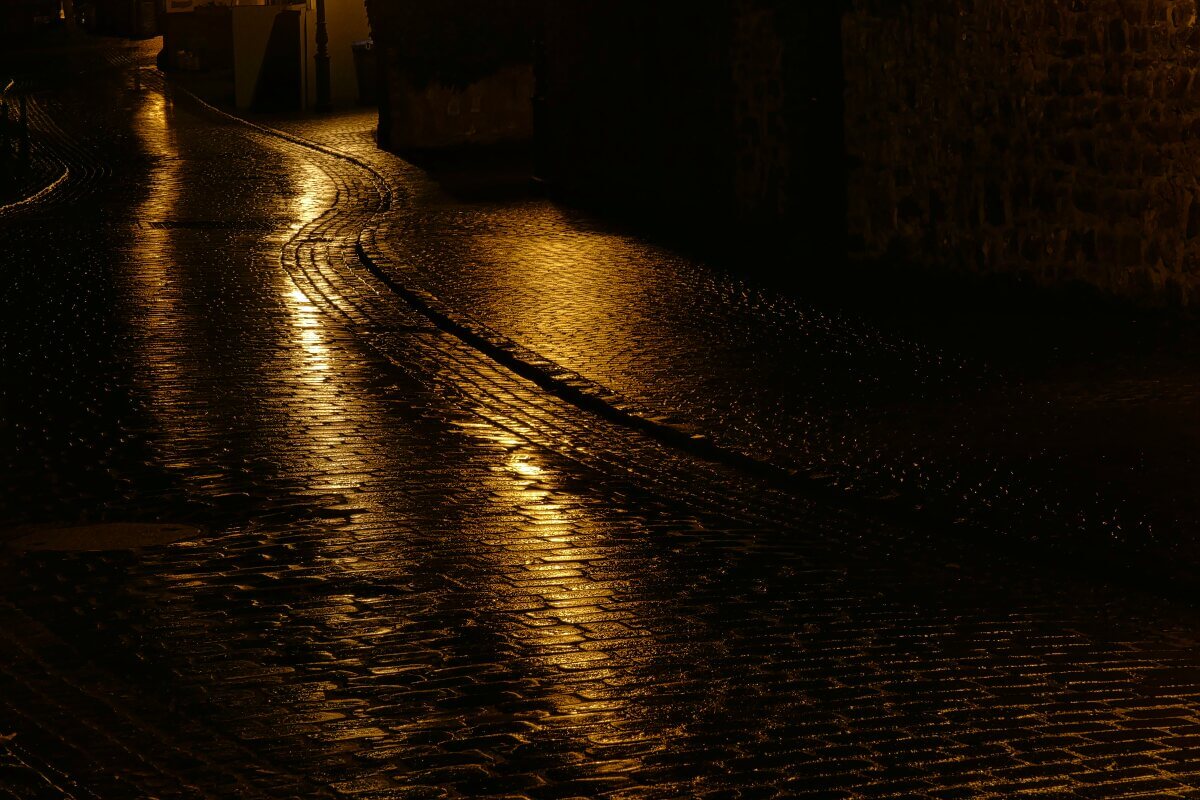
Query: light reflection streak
{"points": [[159, 318], [308, 338], [314, 194], [318, 407], [312, 410], [550, 602], [572, 279], [321, 406]]}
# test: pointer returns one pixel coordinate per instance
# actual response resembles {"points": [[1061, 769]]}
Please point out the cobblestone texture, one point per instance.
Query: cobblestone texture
{"points": [[1059, 432], [31, 179], [427, 577]]}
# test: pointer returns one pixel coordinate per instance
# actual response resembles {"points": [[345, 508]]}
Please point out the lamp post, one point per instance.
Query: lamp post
{"points": [[324, 101]]}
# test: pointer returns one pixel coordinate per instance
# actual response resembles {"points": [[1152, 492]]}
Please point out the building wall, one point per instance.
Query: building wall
{"points": [[1059, 141], [491, 110], [722, 118], [206, 34], [1055, 141], [227, 40], [455, 73], [762, 167], [252, 28], [788, 102]]}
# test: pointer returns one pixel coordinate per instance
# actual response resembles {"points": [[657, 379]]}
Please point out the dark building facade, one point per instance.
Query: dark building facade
{"points": [[633, 101], [1056, 142], [135, 19], [454, 73], [725, 112], [201, 39], [21, 18]]}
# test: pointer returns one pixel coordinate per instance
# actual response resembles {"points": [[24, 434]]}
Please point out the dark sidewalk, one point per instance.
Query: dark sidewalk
{"points": [[425, 576]]}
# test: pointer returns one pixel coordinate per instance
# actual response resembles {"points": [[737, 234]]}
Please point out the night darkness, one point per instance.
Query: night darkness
{"points": [[557, 399]]}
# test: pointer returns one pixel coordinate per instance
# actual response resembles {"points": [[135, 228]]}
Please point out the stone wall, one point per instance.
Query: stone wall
{"points": [[492, 110], [722, 119], [762, 155], [207, 35], [1056, 140], [136, 19], [455, 72]]}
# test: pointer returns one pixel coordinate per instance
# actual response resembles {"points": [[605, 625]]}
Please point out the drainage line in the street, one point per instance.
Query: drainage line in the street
{"points": [[1146, 570]]}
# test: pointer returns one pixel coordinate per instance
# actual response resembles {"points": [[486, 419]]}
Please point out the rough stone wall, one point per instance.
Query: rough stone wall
{"points": [[455, 72], [759, 113], [1059, 140], [786, 102], [206, 33], [491, 110]]}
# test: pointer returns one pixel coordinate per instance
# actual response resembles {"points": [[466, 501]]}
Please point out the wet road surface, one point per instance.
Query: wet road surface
{"points": [[1072, 428], [425, 576]]}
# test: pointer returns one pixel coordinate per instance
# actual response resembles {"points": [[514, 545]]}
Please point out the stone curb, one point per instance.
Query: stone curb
{"points": [[1146, 569], [40, 194], [548, 375]]}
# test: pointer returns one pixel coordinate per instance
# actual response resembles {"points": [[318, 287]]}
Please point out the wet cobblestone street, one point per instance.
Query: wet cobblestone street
{"points": [[424, 574], [1050, 426]]}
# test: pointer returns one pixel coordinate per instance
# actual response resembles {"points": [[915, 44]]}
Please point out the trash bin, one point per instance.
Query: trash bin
{"points": [[364, 68]]}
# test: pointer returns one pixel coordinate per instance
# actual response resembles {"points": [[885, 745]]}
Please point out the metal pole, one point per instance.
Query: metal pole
{"points": [[324, 100], [68, 7]]}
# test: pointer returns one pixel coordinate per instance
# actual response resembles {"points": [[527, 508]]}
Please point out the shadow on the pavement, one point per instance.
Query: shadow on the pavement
{"points": [[482, 174]]}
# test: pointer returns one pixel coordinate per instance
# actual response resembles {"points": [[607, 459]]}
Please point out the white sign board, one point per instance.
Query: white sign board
{"points": [[180, 6]]}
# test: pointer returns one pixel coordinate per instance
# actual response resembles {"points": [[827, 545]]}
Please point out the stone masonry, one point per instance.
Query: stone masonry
{"points": [[1050, 140], [456, 74]]}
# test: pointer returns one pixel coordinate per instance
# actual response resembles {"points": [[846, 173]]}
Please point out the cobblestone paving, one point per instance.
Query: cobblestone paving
{"points": [[25, 180], [1059, 432], [424, 576]]}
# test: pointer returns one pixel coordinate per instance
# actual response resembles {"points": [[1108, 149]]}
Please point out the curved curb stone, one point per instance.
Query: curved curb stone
{"points": [[385, 189], [1128, 563], [552, 377], [41, 194]]}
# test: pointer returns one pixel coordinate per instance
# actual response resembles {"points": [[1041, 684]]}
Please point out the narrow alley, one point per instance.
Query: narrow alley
{"points": [[481, 508]]}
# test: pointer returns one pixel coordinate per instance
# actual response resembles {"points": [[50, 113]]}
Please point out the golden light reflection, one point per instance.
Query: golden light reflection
{"points": [[313, 194], [298, 403], [320, 410], [543, 275], [322, 405], [307, 325], [523, 467], [157, 316], [541, 556]]}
